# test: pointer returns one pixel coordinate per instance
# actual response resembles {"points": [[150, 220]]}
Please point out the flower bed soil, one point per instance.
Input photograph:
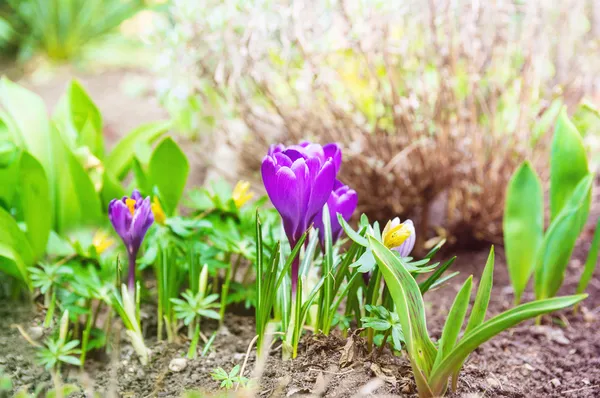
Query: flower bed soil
{"points": [[560, 358]]}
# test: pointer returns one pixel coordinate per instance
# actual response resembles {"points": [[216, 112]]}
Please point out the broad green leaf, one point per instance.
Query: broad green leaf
{"points": [[454, 321], [12, 264], [120, 158], [15, 245], [111, 189], [409, 307], [79, 120], [591, 262], [559, 241], [568, 163], [35, 202], [168, 171], [27, 121], [78, 203], [523, 225], [9, 173], [487, 330]]}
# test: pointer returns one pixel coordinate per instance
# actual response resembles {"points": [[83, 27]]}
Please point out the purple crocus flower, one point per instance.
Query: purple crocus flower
{"points": [[342, 200], [299, 180], [131, 217]]}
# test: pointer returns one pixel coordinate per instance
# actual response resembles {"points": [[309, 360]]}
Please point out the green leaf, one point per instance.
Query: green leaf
{"points": [[78, 203], [454, 360], [119, 160], [168, 171], [454, 321], [559, 241], [35, 202], [9, 172], [568, 163], [591, 262], [79, 120], [523, 225], [25, 116], [435, 277], [484, 292], [352, 234], [14, 246], [409, 307]]}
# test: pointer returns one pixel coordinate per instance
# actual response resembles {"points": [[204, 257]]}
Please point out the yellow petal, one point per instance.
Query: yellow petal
{"points": [[240, 193], [159, 214], [396, 236], [102, 241], [130, 203]]}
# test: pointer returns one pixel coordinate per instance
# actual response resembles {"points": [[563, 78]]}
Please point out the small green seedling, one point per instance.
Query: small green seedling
{"points": [[60, 351], [387, 324], [229, 379], [195, 306]]}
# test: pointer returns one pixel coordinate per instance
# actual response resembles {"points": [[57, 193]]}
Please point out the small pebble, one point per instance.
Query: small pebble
{"points": [[529, 367], [238, 356], [555, 382], [35, 332], [586, 381], [177, 364], [492, 382]]}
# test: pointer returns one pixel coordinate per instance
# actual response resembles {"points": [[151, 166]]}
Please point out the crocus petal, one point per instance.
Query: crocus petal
{"points": [[406, 248], [142, 220], [120, 217], [334, 152], [135, 195], [322, 187]]}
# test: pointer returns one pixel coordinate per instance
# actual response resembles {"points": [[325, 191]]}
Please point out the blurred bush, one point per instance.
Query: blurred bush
{"points": [[59, 29], [435, 103]]}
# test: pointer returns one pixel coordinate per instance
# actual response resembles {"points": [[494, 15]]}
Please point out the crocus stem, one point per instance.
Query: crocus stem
{"points": [[131, 272], [295, 271]]}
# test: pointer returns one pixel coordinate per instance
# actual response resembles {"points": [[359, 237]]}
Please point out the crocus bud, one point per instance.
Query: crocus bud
{"points": [[399, 236]]}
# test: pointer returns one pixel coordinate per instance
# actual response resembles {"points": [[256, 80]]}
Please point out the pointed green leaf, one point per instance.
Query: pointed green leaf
{"points": [[484, 292], [591, 262], [523, 225], [79, 120], [568, 163], [352, 234], [168, 171], [435, 277], [120, 158], [487, 330], [35, 202], [409, 306], [559, 241], [454, 321]]}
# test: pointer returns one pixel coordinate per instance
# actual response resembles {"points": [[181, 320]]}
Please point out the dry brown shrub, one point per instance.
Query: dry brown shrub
{"points": [[435, 103]]}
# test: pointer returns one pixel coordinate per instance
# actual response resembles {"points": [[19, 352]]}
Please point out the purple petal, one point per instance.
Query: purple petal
{"points": [[142, 220], [334, 152], [321, 189], [120, 217], [135, 195], [407, 246]]}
